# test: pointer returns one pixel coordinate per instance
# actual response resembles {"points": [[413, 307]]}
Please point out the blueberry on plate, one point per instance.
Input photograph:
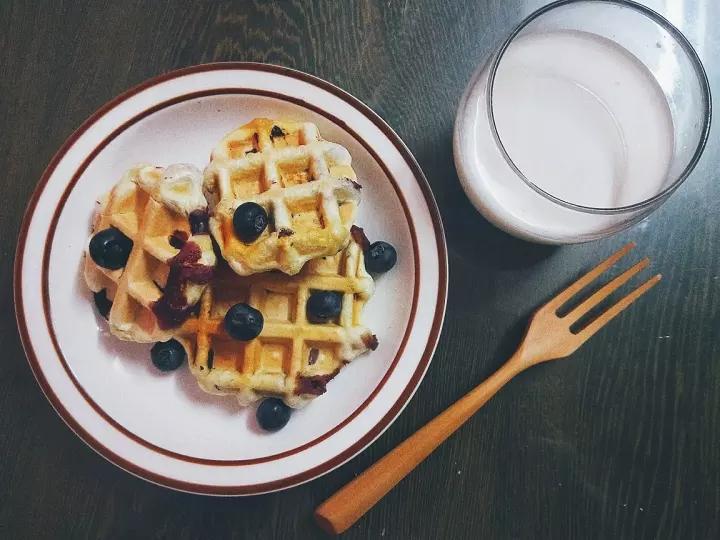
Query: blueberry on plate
{"points": [[380, 257], [167, 355], [110, 248], [243, 322], [272, 414], [323, 306], [102, 303], [249, 221]]}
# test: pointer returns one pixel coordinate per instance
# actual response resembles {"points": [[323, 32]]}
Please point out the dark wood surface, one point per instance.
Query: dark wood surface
{"points": [[621, 441]]}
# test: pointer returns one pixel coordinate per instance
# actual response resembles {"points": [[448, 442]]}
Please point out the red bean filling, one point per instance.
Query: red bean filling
{"points": [[358, 235], [314, 385], [172, 308]]}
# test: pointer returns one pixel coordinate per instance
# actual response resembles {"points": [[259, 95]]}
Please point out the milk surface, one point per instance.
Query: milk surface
{"points": [[583, 119]]}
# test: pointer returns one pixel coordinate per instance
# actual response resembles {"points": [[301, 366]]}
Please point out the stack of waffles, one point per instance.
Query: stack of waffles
{"points": [[187, 267]]}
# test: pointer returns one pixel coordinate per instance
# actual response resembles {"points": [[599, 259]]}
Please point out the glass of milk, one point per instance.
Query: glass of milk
{"points": [[586, 119]]}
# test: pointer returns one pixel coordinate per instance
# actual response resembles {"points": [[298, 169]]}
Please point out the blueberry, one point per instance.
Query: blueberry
{"points": [[323, 306], [199, 222], [102, 303], [167, 355], [276, 131], [380, 257], [272, 414], [249, 221], [110, 248], [243, 322]]}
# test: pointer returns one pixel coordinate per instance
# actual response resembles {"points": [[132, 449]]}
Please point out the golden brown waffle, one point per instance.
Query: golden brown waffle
{"points": [[136, 288], [305, 184], [292, 358]]}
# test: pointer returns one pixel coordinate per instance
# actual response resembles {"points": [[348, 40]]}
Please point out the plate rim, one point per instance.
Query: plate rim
{"points": [[332, 462]]}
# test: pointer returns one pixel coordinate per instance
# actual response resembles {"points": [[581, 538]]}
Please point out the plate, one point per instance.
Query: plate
{"points": [[162, 427]]}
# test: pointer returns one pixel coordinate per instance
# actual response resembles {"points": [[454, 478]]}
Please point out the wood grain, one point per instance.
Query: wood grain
{"points": [[622, 441], [549, 337]]}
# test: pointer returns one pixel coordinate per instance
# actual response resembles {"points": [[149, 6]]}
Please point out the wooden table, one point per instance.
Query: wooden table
{"points": [[621, 441]]}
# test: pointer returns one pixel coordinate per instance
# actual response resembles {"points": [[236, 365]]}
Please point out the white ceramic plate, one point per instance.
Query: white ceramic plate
{"points": [[162, 427]]}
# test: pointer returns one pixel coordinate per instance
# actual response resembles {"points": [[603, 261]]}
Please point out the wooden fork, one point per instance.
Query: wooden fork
{"points": [[548, 337]]}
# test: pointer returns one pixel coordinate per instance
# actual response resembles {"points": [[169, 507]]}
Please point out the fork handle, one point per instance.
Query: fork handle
{"points": [[351, 502]]}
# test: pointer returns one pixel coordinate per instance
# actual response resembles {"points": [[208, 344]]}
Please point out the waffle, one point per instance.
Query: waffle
{"points": [[291, 358], [141, 286], [305, 184]]}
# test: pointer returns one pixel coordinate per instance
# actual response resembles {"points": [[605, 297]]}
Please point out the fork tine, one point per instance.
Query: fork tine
{"points": [[605, 291], [588, 278], [615, 309]]}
